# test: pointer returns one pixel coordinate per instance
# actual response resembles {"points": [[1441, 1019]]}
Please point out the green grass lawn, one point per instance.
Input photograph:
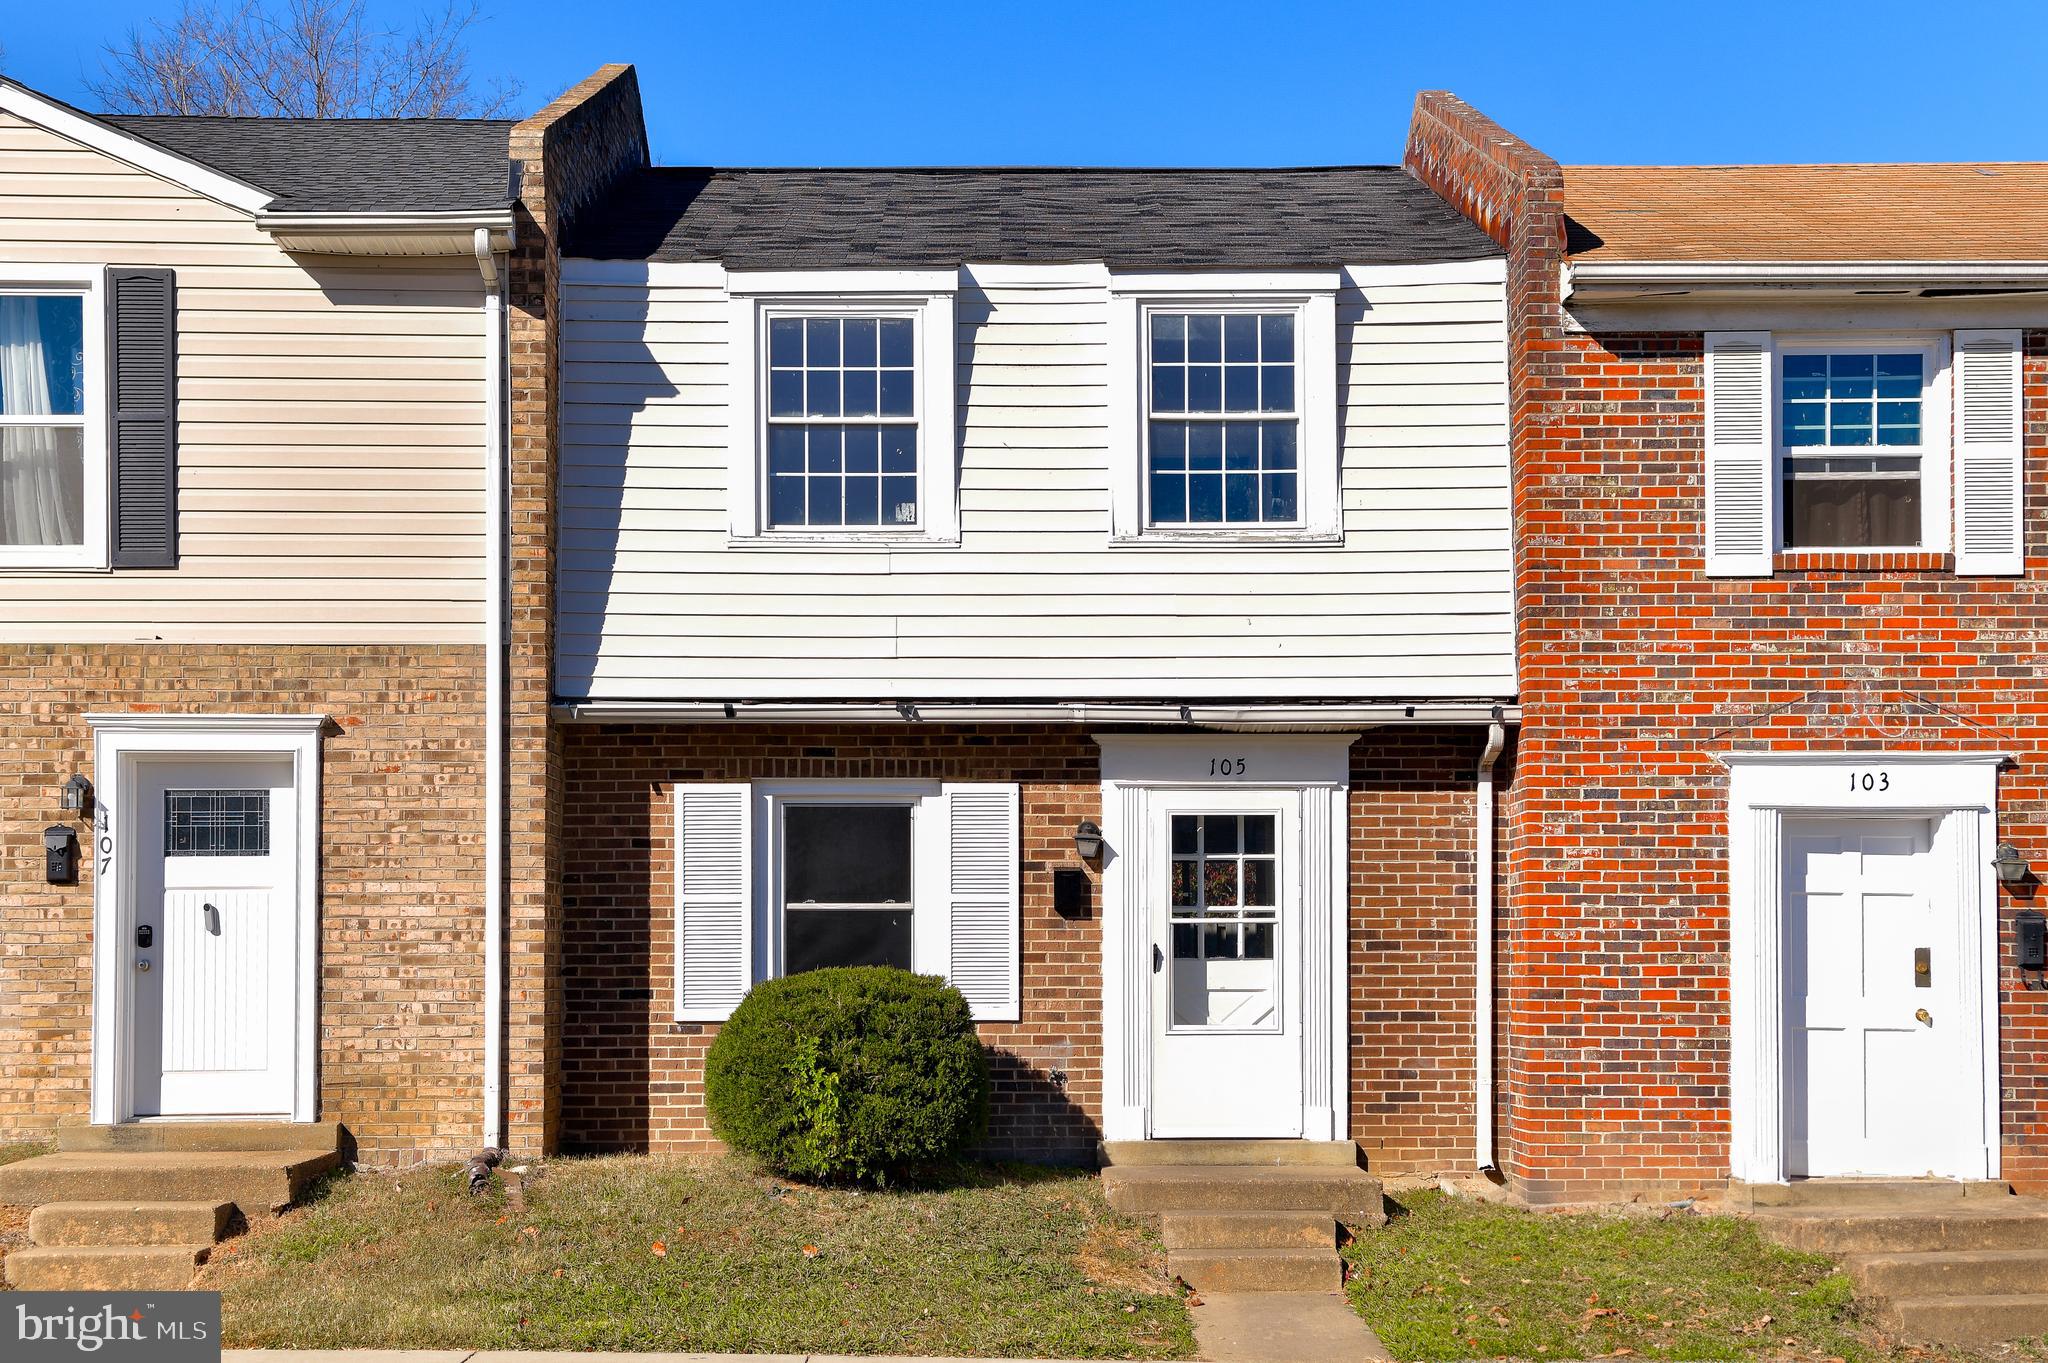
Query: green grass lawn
{"points": [[1455, 1278], [680, 1255]]}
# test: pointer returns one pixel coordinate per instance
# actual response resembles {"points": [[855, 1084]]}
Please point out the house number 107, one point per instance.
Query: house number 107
{"points": [[1870, 780], [1226, 766]]}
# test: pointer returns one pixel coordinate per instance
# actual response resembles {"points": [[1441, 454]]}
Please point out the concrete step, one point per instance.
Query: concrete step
{"points": [[122, 1268], [129, 1223], [2010, 1223], [1257, 1270], [1965, 1320], [206, 1136], [1875, 1194], [256, 1181], [1130, 1154], [1349, 1195], [1248, 1230], [1951, 1273]]}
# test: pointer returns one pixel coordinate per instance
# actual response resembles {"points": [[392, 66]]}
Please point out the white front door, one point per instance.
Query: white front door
{"points": [[215, 922], [1224, 873], [1874, 1023]]}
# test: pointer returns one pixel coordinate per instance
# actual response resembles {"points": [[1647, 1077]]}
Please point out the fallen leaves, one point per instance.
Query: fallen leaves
{"points": [[658, 1250]]}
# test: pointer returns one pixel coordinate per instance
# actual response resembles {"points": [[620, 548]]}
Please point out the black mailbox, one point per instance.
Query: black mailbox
{"points": [[60, 854], [2030, 936], [1071, 892]]}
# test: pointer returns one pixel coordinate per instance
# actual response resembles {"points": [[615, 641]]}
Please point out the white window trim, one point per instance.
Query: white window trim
{"points": [[89, 281], [926, 296], [930, 926], [1312, 296], [1764, 788], [120, 742], [1936, 450]]}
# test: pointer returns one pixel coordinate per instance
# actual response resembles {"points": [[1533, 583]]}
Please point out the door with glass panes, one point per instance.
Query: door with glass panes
{"points": [[1223, 890]]}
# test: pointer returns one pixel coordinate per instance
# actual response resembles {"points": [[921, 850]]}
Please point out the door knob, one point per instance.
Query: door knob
{"points": [[1921, 1015]]}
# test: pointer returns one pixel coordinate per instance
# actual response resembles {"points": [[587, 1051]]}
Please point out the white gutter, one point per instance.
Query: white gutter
{"points": [[495, 577], [498, 221], [1482, 940], [1582, 275], [1296, 716]]}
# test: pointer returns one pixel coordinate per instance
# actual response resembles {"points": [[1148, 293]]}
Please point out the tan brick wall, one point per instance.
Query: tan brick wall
{"points": [[565, 156], [401, 851], [632, 1075]]}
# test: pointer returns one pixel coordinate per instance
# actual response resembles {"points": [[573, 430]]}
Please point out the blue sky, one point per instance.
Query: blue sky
{"points": [[1266, 82]]}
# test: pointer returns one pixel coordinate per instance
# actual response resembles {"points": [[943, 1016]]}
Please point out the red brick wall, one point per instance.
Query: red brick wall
{"points": [[401, 872], [1635, 668], [631, 1074]]}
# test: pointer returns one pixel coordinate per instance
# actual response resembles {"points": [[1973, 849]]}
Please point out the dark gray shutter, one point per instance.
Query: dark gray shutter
{"points": [[142, 424]]}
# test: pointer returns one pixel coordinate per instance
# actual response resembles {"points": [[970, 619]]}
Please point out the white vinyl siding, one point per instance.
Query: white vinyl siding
{"points": [[330, 423], [656, 603]]}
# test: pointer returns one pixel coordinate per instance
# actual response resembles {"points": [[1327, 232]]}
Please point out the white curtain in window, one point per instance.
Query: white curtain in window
{"points": [[41, 500]]}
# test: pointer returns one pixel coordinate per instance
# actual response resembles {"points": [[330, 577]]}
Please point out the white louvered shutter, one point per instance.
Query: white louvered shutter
{"points": [[714, 900], [1739, 531], [1990, 462], [982, 866]]}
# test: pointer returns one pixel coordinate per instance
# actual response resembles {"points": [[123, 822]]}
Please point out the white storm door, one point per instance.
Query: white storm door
{"points": [[1223, 890], [216, 884], [1873, 1020]]}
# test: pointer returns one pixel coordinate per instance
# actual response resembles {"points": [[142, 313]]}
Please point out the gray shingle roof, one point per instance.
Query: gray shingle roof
{"points": [[1127, 219], [346, 165]]}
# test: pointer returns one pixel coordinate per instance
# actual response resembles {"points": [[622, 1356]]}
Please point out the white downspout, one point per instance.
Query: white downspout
{"points": [[1482, 939], [495, 579]]}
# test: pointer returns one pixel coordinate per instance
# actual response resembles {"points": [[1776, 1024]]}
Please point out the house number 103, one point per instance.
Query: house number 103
{"points": [[1226, 766], [1870, 780]]}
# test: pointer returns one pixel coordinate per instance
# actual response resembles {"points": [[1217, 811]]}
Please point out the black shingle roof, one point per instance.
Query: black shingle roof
{"points": [[347, 165], [912, 218]]}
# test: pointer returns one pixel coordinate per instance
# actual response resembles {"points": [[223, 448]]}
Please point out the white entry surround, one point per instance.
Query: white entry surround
{"points": [[1304, 780], [1957, 795], [124, 745]]}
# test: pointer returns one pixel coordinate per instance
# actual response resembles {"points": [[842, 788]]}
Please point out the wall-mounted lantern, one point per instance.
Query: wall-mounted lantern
{"points": [[2012, 868], [77, 796], [1088, 839]]}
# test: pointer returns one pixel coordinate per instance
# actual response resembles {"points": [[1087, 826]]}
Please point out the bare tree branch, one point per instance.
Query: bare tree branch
{"points": [[300, 59]]}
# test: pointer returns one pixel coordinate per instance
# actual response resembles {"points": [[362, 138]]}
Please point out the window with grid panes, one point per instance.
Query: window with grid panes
{"points": [[1222, 423], [842, 422], [1851, 431]]}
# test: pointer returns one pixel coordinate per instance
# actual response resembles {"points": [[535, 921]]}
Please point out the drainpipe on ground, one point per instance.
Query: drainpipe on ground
{"points": [[495, 578], [1482, 939]]}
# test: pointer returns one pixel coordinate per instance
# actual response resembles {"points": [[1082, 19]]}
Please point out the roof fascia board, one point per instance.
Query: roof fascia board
{"points": [[495, 220], [1312, 715], [88, 131], [675, 274], [1586, 276], [1212, 283]]}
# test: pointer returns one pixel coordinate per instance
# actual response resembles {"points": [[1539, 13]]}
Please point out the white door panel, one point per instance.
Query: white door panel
{"points": [[1874, 1037], [1223, 873], [216, 880]]}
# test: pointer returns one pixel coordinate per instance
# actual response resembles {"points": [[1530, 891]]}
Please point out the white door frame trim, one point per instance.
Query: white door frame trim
{"points": [[1763, 789], [119, 742], [1317, 765]]}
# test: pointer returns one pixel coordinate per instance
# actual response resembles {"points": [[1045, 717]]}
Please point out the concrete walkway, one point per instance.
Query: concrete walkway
{"points": [[1283, 1327]]}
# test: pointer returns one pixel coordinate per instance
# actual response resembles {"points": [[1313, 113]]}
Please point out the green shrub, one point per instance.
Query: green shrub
{"points": [[861, 1072]]}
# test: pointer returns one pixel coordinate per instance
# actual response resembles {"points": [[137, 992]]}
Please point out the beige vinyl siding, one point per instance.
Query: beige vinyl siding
{"points": [[330, 424], [1033, 603]]}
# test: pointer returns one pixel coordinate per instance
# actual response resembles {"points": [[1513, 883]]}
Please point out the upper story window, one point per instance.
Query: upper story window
{"points": [[842, 407], [1222, 431], [1223, 409], [1854, 437], [842, 421], [49, 498]]}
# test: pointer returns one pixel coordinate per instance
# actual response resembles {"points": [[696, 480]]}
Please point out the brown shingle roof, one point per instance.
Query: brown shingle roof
{"points": [[1949, 212]]}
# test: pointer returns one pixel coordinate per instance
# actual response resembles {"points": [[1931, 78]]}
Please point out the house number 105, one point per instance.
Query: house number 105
{"points": [[1870, 780], [1226, 766]]}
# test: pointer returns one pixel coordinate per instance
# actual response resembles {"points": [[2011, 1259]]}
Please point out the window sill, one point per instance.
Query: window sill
{"points": [[1227, 539], [1863, 561], [850, 541]]}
